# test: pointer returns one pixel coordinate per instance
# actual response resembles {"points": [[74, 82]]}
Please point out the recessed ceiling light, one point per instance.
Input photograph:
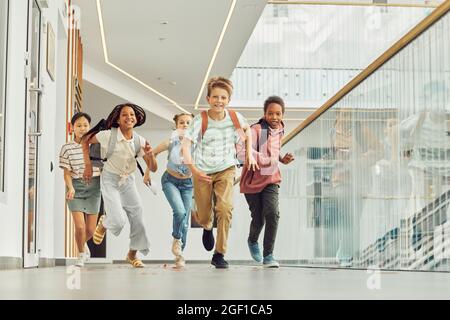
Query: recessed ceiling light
{"points": [[216, 50], [106, 58], [164, 22]]}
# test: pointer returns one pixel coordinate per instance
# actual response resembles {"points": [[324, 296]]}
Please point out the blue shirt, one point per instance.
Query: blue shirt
{"points": [[175, 157]]}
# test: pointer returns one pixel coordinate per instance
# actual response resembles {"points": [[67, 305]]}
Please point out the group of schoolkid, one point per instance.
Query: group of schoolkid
{"points": [[203, 152]]}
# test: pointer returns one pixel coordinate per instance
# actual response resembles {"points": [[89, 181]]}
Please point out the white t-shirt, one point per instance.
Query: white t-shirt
{"points": [[216, 151], [122, 161]]}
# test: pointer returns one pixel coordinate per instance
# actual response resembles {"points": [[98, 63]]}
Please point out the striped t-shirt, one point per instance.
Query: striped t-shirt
{"points": [[216, 151], [71, 158]]}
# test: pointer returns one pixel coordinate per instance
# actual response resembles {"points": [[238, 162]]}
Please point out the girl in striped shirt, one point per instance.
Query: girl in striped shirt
{"points": [[83, 199]]}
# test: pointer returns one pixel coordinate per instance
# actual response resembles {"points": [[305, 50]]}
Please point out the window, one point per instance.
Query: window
{"points": [[3, 55]]}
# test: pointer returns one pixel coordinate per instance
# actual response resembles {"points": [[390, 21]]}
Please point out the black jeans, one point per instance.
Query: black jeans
{"points": [[264, 209]]}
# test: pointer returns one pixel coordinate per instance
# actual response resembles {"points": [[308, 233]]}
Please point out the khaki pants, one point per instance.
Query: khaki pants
{"points": [[222, 187]]}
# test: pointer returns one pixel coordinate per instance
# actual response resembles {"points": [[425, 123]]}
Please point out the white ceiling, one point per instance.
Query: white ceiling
{"points": [[98, 103], [133, 33], [190, 37]]}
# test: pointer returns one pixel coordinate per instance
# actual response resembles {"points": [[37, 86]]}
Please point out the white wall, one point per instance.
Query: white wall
{"points": [[11, 204], [59, 140], [53, 135]]}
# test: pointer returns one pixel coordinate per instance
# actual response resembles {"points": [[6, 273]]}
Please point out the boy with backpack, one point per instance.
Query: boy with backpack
{"points": [[216, 133], [261, 187]]}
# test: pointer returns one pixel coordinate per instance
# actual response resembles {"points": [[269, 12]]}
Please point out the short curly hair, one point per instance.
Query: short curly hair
{"points": [[273, 99]]}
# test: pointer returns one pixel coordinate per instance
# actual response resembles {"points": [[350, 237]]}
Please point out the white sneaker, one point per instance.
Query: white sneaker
{"points": [[85, 257], [176, 247], [152, 186], [87, 252], [180, 262], [80, 260]]}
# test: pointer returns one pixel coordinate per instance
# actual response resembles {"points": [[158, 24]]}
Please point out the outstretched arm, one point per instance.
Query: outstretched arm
{"points": [[163, 146], [85, 142], [250, 160], [150, 158], [186, 150], [288, 158]]}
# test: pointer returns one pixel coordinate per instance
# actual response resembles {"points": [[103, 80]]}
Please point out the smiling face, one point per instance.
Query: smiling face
{"points": [[127, 118], [218, 99], [183, 122], [80, 127], [274, 115]]}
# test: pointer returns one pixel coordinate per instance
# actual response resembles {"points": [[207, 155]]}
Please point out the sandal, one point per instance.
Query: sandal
{"points": [[136, 263], [98, 236]]}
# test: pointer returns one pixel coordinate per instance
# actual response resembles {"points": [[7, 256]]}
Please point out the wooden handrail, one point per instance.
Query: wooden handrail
{"points": [[374, 66], [426, 23]]}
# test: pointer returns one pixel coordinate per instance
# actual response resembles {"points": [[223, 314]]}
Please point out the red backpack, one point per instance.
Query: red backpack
{"points": [[240, 145]]}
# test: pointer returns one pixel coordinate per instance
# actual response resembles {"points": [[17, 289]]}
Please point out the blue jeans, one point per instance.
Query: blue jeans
{"points": [[179, 194]]}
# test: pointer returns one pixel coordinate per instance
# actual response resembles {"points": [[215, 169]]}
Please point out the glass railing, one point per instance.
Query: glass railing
{"points": [[308, 52], [371, 180]]}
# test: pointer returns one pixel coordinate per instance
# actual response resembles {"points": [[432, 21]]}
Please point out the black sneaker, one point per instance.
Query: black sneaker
{"points": [[208, 239], [218, 261]]}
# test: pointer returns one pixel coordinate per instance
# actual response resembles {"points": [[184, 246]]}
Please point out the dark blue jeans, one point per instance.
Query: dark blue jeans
{"points": [[179, 194]]}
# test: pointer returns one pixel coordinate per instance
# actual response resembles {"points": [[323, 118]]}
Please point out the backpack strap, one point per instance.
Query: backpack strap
{"points": [[202, 131], [234, 119], [112, 142], [137, 149], [236, 124], [112, 145], [204, 115], [137, 144], [264, 129]]}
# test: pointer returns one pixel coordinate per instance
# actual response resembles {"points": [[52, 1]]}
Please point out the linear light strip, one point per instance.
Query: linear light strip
{"points": [[216, 50], [145, 85], [105, 52], [102, 31]]}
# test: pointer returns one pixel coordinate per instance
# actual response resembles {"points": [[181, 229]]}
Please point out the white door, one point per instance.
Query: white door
{"points": [[32, 135]]}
